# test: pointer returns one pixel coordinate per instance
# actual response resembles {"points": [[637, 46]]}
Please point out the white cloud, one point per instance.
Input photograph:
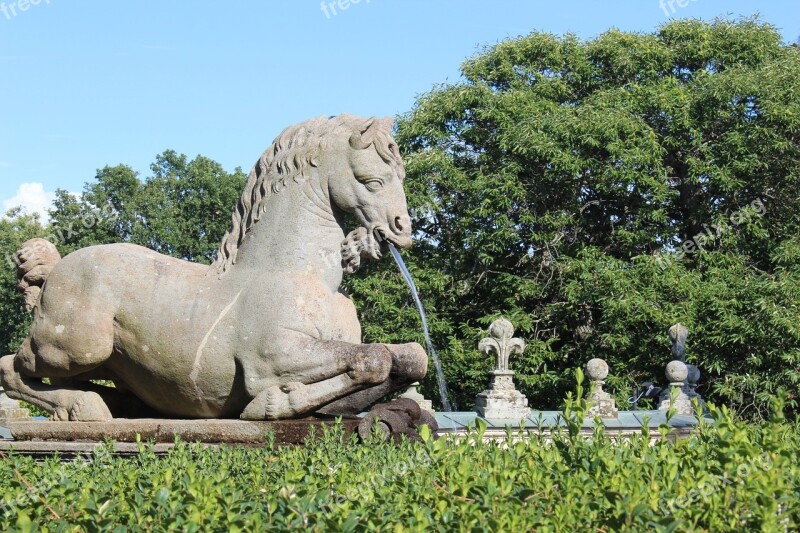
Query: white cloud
{"points": [[33, 199]]}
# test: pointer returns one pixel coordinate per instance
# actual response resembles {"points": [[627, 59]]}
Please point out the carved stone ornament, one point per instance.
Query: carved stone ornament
{"points": [[602, 404], [674, 396], [502, 400]]}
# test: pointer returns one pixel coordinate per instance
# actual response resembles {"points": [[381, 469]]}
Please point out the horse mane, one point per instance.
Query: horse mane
{"points": [[290, 157]]}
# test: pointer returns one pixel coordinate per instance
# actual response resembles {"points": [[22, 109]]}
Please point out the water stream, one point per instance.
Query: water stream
{"points": [[431, 351]]}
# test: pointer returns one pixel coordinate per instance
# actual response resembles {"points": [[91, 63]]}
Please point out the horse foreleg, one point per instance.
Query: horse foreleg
{"points": [[333, 371], [120, 402], [63, 403], [409, 364], [306, 389]]}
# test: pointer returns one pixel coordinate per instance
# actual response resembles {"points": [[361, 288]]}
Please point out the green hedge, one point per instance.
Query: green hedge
{"points": [[729, 476]]}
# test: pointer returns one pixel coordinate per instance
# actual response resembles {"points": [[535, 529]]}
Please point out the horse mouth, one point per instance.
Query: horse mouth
{"points": [[399, 240]]}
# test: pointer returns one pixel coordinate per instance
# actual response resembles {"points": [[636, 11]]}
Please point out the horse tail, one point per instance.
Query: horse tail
{"points": [[35, 260]]}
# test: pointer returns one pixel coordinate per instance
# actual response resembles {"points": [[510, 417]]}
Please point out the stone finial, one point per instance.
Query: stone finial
{"points": [[413, 394], [502, 400], [602, 404], [678, 334], [501, 343], [676, 373]]}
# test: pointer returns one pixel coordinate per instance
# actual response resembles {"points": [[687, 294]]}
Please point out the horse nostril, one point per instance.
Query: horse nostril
{"points": [[398, 223]]}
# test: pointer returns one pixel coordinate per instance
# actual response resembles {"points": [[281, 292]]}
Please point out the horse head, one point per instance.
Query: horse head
{"points": [[365, 179], [354, 168]]}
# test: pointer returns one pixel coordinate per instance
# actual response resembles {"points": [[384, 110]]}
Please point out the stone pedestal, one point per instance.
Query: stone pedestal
{"points": [[502, 399], [10, 409], [674, 396], [413, 394], [602, 404]]}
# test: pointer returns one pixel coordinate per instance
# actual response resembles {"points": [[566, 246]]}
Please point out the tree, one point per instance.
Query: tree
{"points": [[596, 192], [182, 210]]}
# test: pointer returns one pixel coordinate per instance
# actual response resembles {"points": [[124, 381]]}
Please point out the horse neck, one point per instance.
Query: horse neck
{"points": [[297, 232]]}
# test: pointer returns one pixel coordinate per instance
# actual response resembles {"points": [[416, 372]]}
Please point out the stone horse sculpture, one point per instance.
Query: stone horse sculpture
{"points": [[264, 333]]}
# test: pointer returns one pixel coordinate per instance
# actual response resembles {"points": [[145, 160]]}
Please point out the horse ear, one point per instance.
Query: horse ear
{"points": [[368, 124], [369, 130], [361, 138]]}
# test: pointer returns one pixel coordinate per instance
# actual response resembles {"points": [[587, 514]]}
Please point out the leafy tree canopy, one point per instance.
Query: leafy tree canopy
{"points": [[596, 192]]}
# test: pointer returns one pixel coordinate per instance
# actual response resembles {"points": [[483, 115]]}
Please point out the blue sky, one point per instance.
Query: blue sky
{"points": [[91, 83]]}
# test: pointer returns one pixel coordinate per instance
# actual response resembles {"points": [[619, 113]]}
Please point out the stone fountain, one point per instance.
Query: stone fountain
{"points": [[264, 340], [263, 334]]}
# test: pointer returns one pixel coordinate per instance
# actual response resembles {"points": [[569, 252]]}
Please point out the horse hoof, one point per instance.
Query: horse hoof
{"points": [[89, 407]]}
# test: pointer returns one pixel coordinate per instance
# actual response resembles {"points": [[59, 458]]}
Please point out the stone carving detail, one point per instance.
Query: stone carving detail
{"points": [[263, 333], [602, 404], [396, 419], [677, 334], [691, 386], [502, 400], [413, 394], [688, 384]]}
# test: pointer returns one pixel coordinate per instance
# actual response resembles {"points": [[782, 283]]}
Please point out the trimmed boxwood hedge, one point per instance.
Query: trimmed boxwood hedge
{"points": [[729, 476]]}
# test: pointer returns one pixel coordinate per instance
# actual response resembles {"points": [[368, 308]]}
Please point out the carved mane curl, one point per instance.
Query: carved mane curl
{"points": [[290, 157]]}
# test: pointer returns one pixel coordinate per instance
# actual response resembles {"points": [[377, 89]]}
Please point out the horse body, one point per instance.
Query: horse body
{"points": [[263, 333], [138, 318]]}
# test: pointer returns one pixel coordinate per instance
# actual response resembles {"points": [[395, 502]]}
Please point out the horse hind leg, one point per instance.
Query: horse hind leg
{"points": [[64, 403]]}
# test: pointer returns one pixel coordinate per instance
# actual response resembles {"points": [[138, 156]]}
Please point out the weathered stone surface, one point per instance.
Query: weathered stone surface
{"points": [[165, 431], [396, 419], [10, 409], [602, 404], [502, 400], [674, 397], [451, 425], [692, 380], [265, 333], [413, 394]]}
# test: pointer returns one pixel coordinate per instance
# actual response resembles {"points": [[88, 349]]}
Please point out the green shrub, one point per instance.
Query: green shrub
{"points": [[730, 476]]}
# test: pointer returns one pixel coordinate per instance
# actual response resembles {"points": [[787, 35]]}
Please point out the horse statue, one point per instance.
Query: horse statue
{"points": [[265, 333]]}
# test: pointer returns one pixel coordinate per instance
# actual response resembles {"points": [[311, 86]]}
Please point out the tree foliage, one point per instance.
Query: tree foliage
{"points": [[16, 228], [597, 192], [182, 210], [594, 192]]}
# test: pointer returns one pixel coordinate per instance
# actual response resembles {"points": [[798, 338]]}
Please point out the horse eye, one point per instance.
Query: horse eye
{"points": [[373, 185]]}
